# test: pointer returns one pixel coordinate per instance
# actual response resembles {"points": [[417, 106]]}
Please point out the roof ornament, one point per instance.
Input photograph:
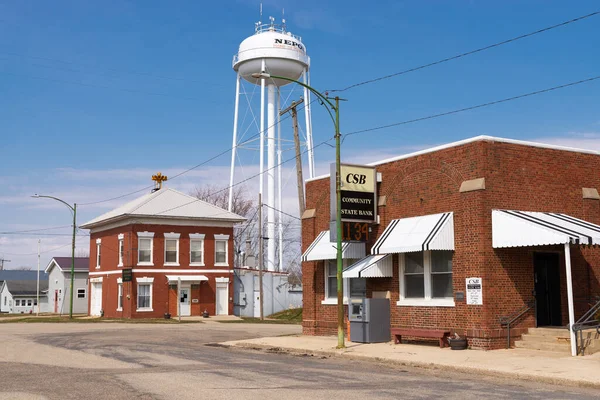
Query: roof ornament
{"points": [[158, 180]]}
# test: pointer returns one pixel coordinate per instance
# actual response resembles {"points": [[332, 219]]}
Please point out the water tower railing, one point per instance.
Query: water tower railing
{"points": [[275, 28], [265, 52]]}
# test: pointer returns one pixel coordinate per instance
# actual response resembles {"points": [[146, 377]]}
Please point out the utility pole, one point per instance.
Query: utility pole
{"points": [[260, 255], [37, 312], [299, 177], [2, 261]]}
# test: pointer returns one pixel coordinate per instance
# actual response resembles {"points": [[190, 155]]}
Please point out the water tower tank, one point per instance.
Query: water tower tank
{"points": [[284, 54]]}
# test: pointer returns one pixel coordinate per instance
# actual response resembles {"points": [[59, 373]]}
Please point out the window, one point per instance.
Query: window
{"points": [[331, 280], [17, 302], [172, 248], [414, 275], [4, 300], [144, 294], [121, 249], [29, 302], [145, 246], [426, 278], [221, 249], [35, 302], [196, 249], [98, 243], [120, 297], [81, 293]]}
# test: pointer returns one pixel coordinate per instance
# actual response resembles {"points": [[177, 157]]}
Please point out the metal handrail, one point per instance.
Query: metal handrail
{"points": [[587, 321], [507, 321]]}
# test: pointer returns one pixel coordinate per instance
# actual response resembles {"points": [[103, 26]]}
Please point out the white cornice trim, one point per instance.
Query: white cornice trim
{"points": [[164, 271], [145, 234], [221, 237], [165, 221], [197, 235], [172, 235]]}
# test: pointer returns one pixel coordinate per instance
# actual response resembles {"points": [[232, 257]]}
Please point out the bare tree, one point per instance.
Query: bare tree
{"points": [[82, 252], [23, 268]]}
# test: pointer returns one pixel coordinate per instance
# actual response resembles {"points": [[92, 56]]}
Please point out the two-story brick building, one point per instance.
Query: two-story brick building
{"points": [[167, 240], [521, 218]]}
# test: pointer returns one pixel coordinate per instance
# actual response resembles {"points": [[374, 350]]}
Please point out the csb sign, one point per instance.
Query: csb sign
{"points": [[359, 195]]}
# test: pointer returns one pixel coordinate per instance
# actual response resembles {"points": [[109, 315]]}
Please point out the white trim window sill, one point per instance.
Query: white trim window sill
{"points": [[197, 264], [425, 303], [145, 309], [121, 310], [99, 268], [171, 264], [146, 264], [120, 265], [332, 302], [221, 265]]}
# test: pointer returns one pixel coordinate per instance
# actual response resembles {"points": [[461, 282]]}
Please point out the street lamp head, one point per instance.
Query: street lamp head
{"points": [[261, 75]]}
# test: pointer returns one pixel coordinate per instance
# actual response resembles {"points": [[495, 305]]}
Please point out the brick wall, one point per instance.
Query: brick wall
{"points": [[163, 299], [516, 177]]}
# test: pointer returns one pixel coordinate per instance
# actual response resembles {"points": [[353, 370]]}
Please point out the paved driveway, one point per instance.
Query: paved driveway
{"points": [[135, 361]]}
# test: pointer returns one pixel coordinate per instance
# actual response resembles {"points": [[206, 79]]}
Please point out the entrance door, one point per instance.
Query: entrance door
{"points": [[222, 295], [96, 300], [56, 301], [184, 301], [547, 289], [256, 304]]}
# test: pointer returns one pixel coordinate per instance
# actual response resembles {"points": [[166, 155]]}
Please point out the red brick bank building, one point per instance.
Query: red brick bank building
{"points": [[518, 217], [164, 240]]}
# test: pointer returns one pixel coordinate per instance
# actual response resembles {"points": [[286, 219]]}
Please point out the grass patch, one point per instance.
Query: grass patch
{"points": [[291, 316], [59, 319]]}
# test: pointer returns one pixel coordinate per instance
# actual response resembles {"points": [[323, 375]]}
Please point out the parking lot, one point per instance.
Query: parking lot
{"points": [[148, 361]]}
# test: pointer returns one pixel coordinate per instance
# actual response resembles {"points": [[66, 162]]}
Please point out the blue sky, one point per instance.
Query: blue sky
{"points": [[96, 96]]}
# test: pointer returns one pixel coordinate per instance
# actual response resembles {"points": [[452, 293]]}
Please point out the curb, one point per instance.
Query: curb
{"points": [[415, 364]]}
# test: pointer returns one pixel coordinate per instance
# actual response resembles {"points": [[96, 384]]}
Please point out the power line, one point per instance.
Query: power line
{"points": [[191, 168], [35, 230], [468, 53], [283, 212], [474, 107]]}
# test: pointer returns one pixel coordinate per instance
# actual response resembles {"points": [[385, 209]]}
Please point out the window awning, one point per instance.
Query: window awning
{"points": [[322, 249], [186, 278], [526, 228], [373, 266], [427, 232]]}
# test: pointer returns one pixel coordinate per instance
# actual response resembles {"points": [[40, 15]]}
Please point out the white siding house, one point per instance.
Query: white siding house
{"points": [[59, 284], [20, 297]]}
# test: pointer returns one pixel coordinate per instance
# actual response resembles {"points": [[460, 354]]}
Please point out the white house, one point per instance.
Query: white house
{"points": [[59, 283], [20, 297]]}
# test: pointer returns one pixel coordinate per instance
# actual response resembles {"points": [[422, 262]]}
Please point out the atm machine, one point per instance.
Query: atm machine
{"points": [[369, 320]]}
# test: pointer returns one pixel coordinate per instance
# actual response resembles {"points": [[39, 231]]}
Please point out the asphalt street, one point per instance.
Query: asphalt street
{"points": [[141, 361]]}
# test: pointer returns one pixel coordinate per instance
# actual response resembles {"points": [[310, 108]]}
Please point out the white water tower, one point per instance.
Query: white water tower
{"points": [[275, 51]]}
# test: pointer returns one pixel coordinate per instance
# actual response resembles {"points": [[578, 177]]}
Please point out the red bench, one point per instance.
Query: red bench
{"points": [[442, 335]]}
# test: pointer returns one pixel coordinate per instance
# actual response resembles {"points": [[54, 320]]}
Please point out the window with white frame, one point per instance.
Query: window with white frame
{"points": [[145, 247], [144, 294], [120, 297], [197, 249], [81, 293], [121, 249], [426, 278], [171, 248], [29, 302], [356, 287], [17, 302], [4, 300], [98, 243], [221, 250]]}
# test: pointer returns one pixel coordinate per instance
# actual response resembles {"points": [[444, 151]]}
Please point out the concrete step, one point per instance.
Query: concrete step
{"points": [[527, 337], [549, 332], [554, 347]]}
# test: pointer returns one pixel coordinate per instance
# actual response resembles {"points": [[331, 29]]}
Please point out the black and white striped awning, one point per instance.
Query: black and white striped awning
{"points": [[426, 232], [373, 266], [526, 228], [323, 249]]}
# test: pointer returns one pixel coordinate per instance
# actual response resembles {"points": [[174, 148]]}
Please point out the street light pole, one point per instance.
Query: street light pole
{"points": [[338, 217], [74, 209]]}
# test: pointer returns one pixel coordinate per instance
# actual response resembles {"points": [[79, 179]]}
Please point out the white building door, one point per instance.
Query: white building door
{"points": [[256, 304], [184, 302], [96, 299], [222, 295]]}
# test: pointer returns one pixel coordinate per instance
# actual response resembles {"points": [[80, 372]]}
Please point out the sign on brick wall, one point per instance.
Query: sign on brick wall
{"points": [[474, 291], [358, 184]]}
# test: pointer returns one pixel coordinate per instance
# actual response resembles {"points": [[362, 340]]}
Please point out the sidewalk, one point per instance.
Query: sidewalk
{"points": [[524, 364]]}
